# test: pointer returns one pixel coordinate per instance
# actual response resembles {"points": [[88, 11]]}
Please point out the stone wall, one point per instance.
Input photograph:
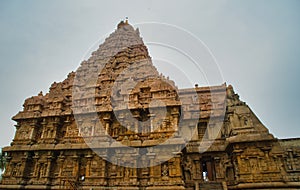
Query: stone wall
{"points": [[116, 122]]}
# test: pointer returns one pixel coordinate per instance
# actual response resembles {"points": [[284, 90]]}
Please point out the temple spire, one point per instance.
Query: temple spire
{"points": [[122, 23]]}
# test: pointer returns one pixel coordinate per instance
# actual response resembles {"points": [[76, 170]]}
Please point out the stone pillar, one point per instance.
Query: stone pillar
{"points": [[134, 168], [291, 159], [43, 123], [34, 128], [107, 122], [36, 161], [88, 165], [24, 166], [236, 161], [60, 160], [56, 124], [198, 174], [151, 122], [105, 166], [8, 167], [49, 166], [175, 121], [219, 168], [151, 156], [197, 185], [104, 173], [94, 122], [106, 127], [76, 165]]}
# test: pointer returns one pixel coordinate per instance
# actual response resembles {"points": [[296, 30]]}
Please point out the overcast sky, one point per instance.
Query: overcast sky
{"points": [[255, 42]]}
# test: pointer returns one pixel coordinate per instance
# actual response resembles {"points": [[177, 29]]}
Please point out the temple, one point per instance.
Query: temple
{"points": [[117, 123]]}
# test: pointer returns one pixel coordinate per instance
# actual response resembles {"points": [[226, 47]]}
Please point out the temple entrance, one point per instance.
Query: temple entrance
{"points": [[207, 168]]}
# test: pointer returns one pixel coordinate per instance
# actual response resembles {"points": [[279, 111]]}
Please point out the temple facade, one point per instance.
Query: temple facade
{"points": [[117, 123]]}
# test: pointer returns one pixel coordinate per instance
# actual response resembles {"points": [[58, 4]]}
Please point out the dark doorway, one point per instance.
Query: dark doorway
{"points": [[208, 171]]}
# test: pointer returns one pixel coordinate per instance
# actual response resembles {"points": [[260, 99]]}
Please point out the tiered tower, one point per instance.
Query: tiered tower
{"points": [[117, 123]]}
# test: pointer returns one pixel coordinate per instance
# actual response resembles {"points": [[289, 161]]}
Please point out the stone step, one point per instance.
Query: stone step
{"points": [[210, 186]]}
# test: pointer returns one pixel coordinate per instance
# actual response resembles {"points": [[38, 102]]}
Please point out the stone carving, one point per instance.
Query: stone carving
{"points": [[165, 171], [188, 170], [49, 151]]}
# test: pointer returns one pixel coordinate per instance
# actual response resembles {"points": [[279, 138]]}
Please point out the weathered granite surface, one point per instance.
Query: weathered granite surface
{"points": [[216, 140]]}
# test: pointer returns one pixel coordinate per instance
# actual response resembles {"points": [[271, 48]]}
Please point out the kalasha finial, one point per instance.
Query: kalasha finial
{"points": [[122, 23]]}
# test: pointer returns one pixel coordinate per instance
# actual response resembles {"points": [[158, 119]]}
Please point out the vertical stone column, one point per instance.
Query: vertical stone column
{"points": [[88, 164], [175, 120], [24, 167], [198, 174], [236, 162], [219, 168], [107, 122], [151, 122], [17, 126], [56, 126], [134, 168], [34, 128], [104, 173], [93, 128], [291, 159], [60, 160], [104, 165], [43, 125], [107, 125], [197, 185], [36, 159], [151, 156], [8, 167], [75, 165], [50, 158], [175, 116]]}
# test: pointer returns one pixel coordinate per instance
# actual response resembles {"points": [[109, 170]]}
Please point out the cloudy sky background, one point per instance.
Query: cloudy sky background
{"points": [[256, 44]]}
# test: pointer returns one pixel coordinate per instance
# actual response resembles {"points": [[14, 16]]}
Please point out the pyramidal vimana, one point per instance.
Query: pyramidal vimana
{"points": [[117, 123]]}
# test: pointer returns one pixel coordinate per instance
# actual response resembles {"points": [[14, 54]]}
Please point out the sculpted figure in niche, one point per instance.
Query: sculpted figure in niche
{"points": [[165, 170], [15, 171], [50, 133], [127, 172], [42, 170], [115, 131], [225, 129], [24, 134], [230, 173], [253, 163], [234, 121], [188, 169], [220, 169]]}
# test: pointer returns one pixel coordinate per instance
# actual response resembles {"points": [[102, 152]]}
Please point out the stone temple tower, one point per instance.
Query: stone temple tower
{"points": [[117, 123]]}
